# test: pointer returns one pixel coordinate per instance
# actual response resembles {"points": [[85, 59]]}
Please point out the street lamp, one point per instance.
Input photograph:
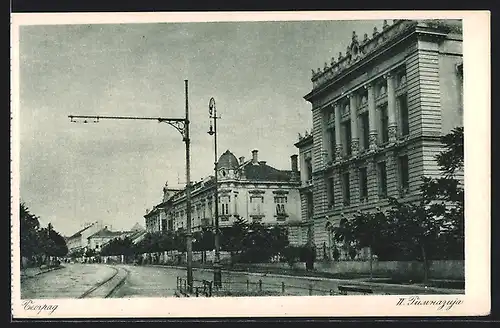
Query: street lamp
{"points": [[212, 114], [181, 125]]}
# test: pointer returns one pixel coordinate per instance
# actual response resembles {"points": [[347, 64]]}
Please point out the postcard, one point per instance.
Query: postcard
{"points": [[250, 164]]}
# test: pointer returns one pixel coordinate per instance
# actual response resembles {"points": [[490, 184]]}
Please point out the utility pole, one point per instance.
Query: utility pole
{"points": [[212, 111], [189, 247], [182, 126]]}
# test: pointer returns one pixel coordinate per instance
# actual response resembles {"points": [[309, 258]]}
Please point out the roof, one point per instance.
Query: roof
{"points": [[137, 227], [228, 161], [79, 233], [105, 233], [366, 48], [264, 172]]}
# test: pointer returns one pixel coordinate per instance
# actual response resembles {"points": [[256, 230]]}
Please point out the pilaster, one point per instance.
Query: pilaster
{"points": [[354, 124]]}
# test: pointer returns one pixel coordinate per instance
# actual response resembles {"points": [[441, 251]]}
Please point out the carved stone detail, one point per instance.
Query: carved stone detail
{"points": [[338, 152], [354, 146], [373, 140], [392, 131]]}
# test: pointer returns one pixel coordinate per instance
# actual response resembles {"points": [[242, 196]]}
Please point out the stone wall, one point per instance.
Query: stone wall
{"points": [[445, 269]]}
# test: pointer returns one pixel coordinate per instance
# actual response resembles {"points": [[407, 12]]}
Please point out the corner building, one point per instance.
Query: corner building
{"points": [[378, 113], [249, 189]]}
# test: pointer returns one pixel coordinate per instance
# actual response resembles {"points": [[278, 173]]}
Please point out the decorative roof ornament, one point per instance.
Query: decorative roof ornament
{"points": [[332, 62], [353, 49], [313, 72], [326, 67], [340, 55], [365, 38], [375, 31], [386, 25]]}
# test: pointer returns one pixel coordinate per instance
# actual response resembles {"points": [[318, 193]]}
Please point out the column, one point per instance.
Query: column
{"points": [[391, 107], [372, 117], [325, 150], [354, 124], [338, 140]]}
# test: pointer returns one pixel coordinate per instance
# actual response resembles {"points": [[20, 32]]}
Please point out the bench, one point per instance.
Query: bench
{"points": [[343, 290]]}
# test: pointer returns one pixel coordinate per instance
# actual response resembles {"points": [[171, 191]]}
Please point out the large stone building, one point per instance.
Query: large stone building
{"points": [[249, 189], [378, 112]]}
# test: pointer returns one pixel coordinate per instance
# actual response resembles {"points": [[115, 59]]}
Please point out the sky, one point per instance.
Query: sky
{"points": [[112, 171]]}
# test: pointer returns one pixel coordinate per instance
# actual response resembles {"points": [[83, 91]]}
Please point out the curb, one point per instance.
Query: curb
{"points": [[24, 277], [373, 285]]}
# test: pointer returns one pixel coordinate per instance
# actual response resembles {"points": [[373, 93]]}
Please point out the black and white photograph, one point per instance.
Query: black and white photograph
{"points": [[318, 162]]}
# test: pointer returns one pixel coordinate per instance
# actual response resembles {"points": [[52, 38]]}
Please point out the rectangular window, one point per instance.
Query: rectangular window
{"points": [[365, 131], [256, 205], [403, 174], [347, 138], [331, 191], [333, 143], [308, 169], [403, 112], [346, 192], [280, 209], [382, 179], [384, 124], [224, 202], [363, 183]]}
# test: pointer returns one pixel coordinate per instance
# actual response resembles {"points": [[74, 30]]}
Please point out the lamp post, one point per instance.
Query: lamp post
{"points": [[182, 126], [212, 113]]}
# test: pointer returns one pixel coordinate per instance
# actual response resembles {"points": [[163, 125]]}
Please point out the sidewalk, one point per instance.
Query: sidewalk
{"points": [[384, 288], [33, 272]]}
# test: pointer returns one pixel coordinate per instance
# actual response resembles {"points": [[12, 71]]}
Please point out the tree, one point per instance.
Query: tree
{"points": [[36, 241], [370, 230], [436, 222], [234, 237], [29, 225], [117, 246], [416, 227], [445, 195], [344, 233], [204, 240], [60, 248]]}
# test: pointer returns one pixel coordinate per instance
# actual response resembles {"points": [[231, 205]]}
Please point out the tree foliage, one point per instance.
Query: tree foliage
{"points": [[36, 241], [118, 246], [427, 229]]}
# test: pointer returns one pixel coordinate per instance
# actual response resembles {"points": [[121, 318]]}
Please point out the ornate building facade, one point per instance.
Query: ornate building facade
{"points": [[378, 113], [249, 189]]}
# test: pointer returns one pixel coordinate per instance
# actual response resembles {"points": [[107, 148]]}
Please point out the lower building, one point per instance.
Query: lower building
{"points": [[248, 189], [79, 240]]}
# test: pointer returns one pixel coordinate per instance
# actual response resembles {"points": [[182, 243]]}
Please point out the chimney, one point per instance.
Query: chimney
{"points": [[255, 158], [295, 167], [242, 159]]}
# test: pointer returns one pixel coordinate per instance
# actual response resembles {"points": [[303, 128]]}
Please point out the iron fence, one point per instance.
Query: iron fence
{"points": [[205, 288]]}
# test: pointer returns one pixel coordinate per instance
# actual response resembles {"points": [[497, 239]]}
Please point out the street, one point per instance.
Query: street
{"points": [[72, 281], [129, 281], [159, 281]]}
